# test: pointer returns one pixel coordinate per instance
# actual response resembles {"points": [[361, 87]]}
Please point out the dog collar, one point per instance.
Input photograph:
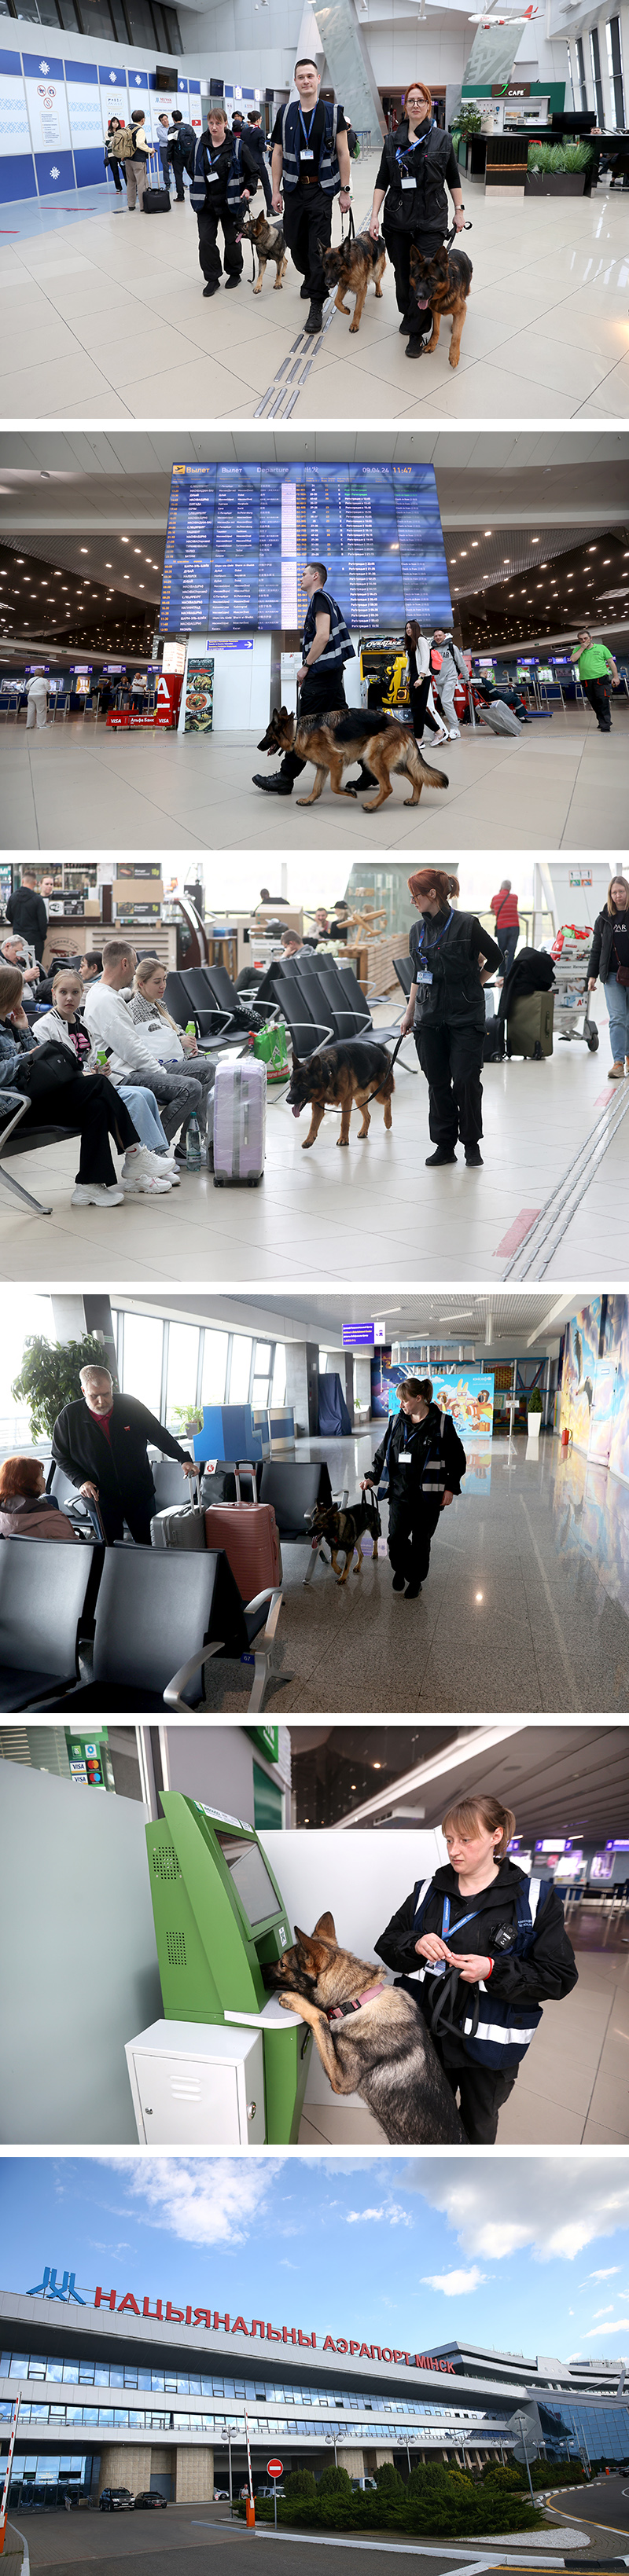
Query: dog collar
{"points": [[339, 2012]]}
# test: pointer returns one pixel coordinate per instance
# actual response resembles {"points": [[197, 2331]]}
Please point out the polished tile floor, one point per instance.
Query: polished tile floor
{"points": [[572, 2087], [560, 785], [524, 1609], [373, 1214], [117, 328]]}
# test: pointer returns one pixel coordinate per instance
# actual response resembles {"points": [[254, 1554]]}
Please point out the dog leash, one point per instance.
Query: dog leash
{"points": [[350, 235], [452, 235], [396, 1050]]}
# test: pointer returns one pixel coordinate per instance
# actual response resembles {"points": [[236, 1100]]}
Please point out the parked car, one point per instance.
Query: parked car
{"points": [[150, 2496], [221, 2495], [270, 2491], [116, 2500]]}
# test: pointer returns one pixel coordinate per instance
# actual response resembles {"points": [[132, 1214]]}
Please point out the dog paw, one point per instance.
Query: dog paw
{"points": [[454, 361], [342, 1140], [354, 326], [289, 2003]]}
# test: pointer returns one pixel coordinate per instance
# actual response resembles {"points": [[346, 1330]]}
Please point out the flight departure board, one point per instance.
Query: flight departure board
{"points": [[239, 535]]}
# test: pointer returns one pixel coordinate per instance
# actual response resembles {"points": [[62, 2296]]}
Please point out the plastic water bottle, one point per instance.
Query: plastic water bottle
{"points": [[102, 1059], [190, 1029], [193, 1144]]}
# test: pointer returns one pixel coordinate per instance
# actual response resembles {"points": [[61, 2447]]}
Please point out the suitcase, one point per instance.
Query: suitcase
{"points": [[181, 1525], [239, 1122], [248, 1534], [500, 718], [530, 1025], [156, 199]]}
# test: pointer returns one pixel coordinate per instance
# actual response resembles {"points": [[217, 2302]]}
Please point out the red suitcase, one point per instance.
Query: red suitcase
{"points": [[248, 1534]]}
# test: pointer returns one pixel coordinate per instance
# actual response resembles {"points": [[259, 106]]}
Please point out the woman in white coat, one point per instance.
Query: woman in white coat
{"points": [[37, 700], [422, 705]]}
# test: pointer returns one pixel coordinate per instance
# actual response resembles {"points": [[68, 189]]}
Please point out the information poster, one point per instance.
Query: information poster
{"points": [[199, 697], [17, 177], [238, 537], [113, 94], [48, 119], [83, 94]]}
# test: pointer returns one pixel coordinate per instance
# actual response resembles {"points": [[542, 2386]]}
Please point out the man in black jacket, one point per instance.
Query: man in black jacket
{"points": [[181, 153], [426, 1461], [27, 913], [100, 1441], [257, 145]]}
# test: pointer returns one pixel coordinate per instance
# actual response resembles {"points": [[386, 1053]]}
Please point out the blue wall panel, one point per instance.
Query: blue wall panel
{"points": [[89, 166], [17, 177], [55, 173]]}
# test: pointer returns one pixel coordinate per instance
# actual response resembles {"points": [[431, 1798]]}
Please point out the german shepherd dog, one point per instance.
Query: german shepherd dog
{"points": [[371, 2037], [344, 1076], [443, 283], [269, 244], [385, 746], [344, 1530], [350, 268]]}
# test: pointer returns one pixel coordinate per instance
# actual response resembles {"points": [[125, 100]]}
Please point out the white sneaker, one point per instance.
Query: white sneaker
{"points": [[165, 1164], [453, 733], [140, 1158], [142, 1185], [97, 1194]]}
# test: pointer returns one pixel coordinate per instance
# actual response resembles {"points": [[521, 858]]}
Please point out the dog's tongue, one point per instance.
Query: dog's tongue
{"points": [[297, 1112], [422, 302]]}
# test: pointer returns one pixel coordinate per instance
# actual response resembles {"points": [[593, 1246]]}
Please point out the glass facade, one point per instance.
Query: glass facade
{"points": [[167, 1363]]}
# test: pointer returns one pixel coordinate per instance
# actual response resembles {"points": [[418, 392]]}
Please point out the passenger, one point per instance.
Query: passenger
{"points": [[425, 1461], [136, 163], [293, 946], [504, 906], [92, 1110], [100, 1441], [596, 669], [91, 967], [130, 1058], [164, 131], [182, 151], [146, 1169], [609, 957], [27, 914], [446, 1012], [416, 165], [310, 166], [37, 700], [17, 951], [257, 146], [225, 177], [169, 1044], [482, 2005], [445, 662], [419, 685], [114, 129], [26, 1510]]}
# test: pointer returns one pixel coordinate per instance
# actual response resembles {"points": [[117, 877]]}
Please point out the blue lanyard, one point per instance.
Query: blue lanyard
{"points": [[434, 943], [307, 129], [440, 1968], [401, 156]]}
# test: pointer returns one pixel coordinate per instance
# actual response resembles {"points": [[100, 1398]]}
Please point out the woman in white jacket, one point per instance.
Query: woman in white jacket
{"points": [[169, 1044], [422, 705]]}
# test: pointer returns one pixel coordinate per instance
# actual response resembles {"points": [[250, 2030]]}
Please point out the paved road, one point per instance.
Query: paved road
{"points": [[168, 2544], [601, 2509]]}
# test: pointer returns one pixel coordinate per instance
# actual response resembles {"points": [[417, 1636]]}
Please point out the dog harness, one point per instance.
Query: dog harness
{"points": [[340, 2012]]}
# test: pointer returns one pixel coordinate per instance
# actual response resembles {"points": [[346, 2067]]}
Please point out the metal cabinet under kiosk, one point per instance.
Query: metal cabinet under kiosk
{"points": [[220, 1919]]}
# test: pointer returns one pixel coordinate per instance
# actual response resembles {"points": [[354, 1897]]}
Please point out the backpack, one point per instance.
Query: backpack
{"points": [[125, 145]]}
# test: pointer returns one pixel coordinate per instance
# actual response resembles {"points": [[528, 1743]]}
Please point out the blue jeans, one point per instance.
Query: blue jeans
{"points": [[617, 999], [143, 1110], [506, 941]]}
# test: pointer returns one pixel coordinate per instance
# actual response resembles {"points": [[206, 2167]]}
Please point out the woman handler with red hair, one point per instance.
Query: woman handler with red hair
{"points": [[452, 957]]}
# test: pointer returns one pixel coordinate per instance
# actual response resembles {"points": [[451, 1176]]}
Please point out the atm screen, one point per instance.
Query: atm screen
{"points": [[251, 1880]]}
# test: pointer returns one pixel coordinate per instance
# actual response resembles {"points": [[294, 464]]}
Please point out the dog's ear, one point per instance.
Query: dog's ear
{"points": [[312, 1954], [325, 1928]]}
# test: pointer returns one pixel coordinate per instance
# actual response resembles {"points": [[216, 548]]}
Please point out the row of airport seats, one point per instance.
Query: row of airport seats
{"points": [[128, 1628], [323, 1004]]}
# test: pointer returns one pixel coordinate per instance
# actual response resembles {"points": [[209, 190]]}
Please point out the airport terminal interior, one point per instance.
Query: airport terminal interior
{"points": [[554, 1130], [531, 541], [524, 1606], [565, 1784]]}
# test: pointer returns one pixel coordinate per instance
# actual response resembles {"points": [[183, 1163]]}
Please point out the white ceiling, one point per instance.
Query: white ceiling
{"points": [[506, 1321], [556, 1779]]}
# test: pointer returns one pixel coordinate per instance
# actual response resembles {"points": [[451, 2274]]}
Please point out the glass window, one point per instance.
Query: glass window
{"points": [[582, 91], [260, 1393], [68, 14], [595, 58], [141, 23], [240, 1369], [142, 1363], [278, 1389], [96, 16], [183, 1356], [22, 1315], [614, 66], [172, 31]]}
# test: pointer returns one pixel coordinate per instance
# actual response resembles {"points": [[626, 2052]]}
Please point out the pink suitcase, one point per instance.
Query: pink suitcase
{"points": [[239, 1122], [248, 1534]]}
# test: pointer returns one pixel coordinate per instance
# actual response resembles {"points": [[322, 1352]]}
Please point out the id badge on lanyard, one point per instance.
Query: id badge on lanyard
{"points": [[425, 977], [305, 149], [439, 1967], [408, 183]]}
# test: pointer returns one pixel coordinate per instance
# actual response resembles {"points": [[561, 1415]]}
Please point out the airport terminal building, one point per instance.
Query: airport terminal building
{"points": [[118, 2389]]}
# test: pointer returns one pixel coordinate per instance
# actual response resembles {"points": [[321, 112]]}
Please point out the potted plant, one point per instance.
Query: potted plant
{"points": [[189, 1418], [557, 169], [50, 1377], [534, 1413]]}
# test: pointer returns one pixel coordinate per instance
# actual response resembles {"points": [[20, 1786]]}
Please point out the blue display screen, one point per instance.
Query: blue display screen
{"points": [[239, 535]]}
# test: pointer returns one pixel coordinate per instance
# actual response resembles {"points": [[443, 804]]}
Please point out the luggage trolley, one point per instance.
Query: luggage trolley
{"points": [[570, 955]]}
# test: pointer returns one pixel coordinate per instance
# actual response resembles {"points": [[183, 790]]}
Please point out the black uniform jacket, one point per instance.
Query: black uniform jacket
{"points": [[549, 1972], [118, 1465], [601, 960], [451, 952], [438, 1427]]}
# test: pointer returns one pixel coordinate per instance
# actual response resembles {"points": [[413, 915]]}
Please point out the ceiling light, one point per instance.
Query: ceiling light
{"points": [[124, 541]]}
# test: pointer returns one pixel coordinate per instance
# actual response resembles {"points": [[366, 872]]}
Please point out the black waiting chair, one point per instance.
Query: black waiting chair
{"points": [[308, 1032], [155, 1612], [168, 1481], [14, 1140], [209, 1023], [353, 1015], [404, 969], [78, 1509], [294, 1486], [47, 1596]]}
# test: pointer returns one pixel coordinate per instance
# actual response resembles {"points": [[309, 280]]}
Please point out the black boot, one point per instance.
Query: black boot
{"points": [[212, 286], [442, 1154], [304, 292], [275, 785], [315, 320], [473, 1156]]}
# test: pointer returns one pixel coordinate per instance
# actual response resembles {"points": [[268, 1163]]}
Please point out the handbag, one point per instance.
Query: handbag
{"points": [[48, 1069]]}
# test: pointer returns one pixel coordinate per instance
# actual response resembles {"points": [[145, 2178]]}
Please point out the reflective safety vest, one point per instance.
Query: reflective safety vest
{"points": [[496, 2032], [329, 173], [339, 647], [208, 181]]}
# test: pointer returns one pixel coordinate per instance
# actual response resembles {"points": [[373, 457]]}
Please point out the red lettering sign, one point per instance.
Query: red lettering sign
{"points": [[211, 2321]]}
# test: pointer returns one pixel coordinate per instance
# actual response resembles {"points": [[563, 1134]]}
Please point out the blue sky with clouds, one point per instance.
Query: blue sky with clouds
{"points": [[528, 2254]]}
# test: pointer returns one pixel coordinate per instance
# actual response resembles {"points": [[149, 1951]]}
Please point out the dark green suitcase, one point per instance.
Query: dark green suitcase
{"points": [[530, 1025]]}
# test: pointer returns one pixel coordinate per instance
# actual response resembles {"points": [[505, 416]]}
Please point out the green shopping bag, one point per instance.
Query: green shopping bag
{"points": [[270, 1047]]}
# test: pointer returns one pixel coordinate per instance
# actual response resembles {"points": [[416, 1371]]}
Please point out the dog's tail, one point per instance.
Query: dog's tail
{"points": [[412, 760]]}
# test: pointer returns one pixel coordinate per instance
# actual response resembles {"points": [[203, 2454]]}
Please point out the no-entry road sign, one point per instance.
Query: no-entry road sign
{"points": [[275, 2468]]}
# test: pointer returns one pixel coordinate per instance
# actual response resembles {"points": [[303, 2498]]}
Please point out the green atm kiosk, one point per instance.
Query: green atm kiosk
{"points": [[219, 1921]]}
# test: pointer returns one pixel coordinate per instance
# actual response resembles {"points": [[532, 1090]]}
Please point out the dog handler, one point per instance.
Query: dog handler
{"points": [[482, 2003], [310, 167], [224, 179], [446, 1011], [326, 645], [426, 1461], [416, 166]]}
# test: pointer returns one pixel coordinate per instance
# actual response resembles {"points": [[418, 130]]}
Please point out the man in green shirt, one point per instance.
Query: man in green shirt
{"points": [[596, 666]]}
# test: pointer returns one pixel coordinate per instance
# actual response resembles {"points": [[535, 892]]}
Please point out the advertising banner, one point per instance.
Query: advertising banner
{"points": [[86, 130], [580, 1365], [17, 176], [466, 1394], [199, 706]]}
